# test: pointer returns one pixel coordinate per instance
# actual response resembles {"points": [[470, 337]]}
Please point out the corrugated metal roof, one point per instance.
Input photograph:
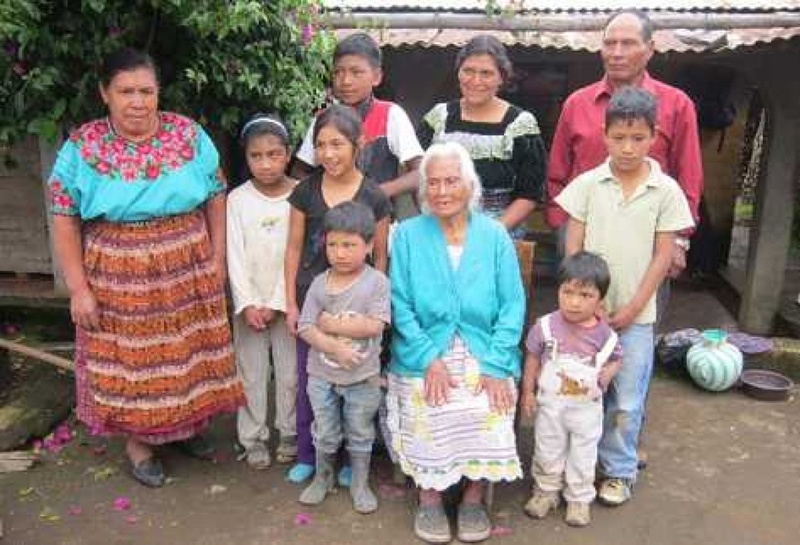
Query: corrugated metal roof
{"points": [[565, 5], [665, 40], [684, 25]]}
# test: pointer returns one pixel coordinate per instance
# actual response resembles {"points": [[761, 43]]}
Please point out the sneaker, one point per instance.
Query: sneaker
{"points": [[431, 524], [287, 449], [541, 503], [473, 523], [345, 476], [578, 514], [614, 492], [258, 457], [300, 472]]}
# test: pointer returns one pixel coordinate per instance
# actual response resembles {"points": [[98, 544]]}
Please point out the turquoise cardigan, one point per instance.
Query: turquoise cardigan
{"points": [[483, 301]]}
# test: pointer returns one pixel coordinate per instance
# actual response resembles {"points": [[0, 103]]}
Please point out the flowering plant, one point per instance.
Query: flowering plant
{"points": [[219, 60]]}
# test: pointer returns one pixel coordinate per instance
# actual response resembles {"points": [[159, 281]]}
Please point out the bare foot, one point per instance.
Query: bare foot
{"points": [[473, 492], [138, 451]]}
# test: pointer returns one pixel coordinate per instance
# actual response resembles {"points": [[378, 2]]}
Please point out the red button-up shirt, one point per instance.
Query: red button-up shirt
{"points": [[578, 141]]}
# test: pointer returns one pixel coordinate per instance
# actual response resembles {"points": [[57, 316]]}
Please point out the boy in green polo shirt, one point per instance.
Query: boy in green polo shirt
{"points": [[628, 211]]}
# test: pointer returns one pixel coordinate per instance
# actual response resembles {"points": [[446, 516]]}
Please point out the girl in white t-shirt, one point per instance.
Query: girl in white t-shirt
{"points": [[258, 224]]}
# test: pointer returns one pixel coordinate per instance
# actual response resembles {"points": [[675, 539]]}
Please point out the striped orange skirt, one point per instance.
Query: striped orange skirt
{"points": [[161, 363]]}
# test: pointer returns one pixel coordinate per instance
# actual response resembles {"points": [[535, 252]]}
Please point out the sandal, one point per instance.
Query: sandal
{"points": [[431, 524], [473, 523], [149, 473]]}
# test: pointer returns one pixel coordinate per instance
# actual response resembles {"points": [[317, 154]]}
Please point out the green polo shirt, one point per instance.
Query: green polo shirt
{"points": [[623, 231]]}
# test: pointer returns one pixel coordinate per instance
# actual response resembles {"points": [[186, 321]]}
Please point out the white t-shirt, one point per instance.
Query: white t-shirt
{"points": [[400, 135], [258, 230]]}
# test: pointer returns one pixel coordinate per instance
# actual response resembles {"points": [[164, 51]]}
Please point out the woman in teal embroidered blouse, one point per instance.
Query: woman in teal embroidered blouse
{"points": [[139, 226], [458, 308]]}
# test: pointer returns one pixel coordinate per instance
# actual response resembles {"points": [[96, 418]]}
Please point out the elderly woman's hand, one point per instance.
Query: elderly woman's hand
{"points": [[437, 384], [498, 390], [83, 310]]}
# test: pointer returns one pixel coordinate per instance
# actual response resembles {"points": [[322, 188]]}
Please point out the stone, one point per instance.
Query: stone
{"points": [[43, 398]]}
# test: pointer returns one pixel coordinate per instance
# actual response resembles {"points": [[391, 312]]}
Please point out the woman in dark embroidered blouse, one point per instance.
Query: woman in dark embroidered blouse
{"points": [[503, 140]]}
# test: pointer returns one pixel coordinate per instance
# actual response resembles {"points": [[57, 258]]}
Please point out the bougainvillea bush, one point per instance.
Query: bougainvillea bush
{"points": [[220, 60]]}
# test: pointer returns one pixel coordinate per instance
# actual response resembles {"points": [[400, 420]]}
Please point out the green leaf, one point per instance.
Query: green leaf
{"points": [[218, 59], [59, 109]]}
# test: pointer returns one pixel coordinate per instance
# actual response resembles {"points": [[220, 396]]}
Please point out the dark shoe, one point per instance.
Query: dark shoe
{"points": [[473, 523], [196, 447], [149, 473], [431, 524]]}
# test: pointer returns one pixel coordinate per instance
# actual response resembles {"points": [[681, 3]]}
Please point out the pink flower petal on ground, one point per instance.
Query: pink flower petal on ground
{"points": [[131, 519], [75, 510], [51, 445], [122, 504], [500, 531], [63, 433], [302, 519], [99, 450]]}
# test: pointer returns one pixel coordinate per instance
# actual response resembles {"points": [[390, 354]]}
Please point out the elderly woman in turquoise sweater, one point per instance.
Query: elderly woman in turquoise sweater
{"points": [[458, 308]]}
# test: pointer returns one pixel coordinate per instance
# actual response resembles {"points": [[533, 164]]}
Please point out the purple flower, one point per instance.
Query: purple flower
{"points": [[307, 34], [11, 48]]}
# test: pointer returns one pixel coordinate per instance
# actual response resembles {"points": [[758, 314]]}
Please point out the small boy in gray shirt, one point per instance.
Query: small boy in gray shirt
{"points": [[343, 318]]}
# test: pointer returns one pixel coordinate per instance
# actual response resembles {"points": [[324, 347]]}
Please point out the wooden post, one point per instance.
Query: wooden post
{"points": [[769, 240], [5, 368]]}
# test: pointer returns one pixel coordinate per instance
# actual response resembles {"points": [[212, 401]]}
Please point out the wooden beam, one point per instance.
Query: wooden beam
{"points": [[555, 22], [41, 355]]}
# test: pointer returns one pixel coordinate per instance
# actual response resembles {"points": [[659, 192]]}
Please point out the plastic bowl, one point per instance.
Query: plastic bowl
{"points": [[766, 385]]}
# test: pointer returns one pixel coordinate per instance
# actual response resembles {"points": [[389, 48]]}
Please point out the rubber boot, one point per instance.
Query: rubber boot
{"points": [[364, 501], [324, 480]]}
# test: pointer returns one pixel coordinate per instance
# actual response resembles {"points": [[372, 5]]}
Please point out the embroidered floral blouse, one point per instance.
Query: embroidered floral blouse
{"points": [[509, 155], [99, 174]]}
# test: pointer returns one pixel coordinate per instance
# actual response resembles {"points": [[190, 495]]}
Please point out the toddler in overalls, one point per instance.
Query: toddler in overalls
{"points": [[572, 354]]}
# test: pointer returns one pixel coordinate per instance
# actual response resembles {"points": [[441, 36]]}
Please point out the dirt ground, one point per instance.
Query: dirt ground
{"points": [[723, 470]]}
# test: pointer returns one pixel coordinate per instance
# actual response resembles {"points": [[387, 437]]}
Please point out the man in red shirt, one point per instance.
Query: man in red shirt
{"points": [[578, 141]]}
